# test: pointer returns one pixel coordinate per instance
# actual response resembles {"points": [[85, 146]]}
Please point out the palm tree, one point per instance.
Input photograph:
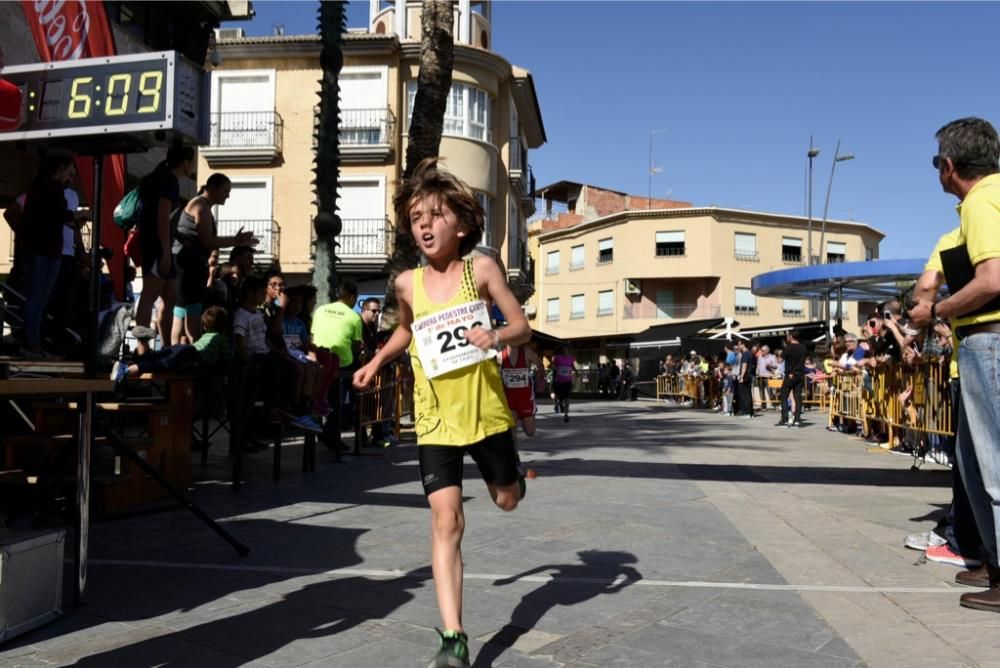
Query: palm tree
{"points": [[437, 57], [332, 24]]}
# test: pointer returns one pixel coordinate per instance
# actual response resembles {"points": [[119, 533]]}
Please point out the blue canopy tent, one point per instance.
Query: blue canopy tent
{"points": [[874, 280]]}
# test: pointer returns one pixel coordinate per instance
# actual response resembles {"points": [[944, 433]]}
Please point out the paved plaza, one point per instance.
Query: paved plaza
{"points": [[653, 536]]}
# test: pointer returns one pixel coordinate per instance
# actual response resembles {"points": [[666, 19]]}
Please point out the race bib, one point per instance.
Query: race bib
{"points": [[514, 379], [441, 342]]}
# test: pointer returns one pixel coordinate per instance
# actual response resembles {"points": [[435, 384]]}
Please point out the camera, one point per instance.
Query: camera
{"points": [[887, 314]]}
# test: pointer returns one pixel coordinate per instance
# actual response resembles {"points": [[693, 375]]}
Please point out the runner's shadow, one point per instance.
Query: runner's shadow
{"points": [[602, 572]]}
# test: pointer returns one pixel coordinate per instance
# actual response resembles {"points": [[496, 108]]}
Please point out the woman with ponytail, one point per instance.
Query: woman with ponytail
{"points": [[197, 236]]}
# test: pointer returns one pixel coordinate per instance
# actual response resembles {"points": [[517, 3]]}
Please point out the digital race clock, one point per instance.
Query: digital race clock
{"points": [[141, 99]]}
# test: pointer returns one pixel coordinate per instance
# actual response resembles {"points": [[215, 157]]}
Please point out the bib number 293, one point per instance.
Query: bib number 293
{"points": [[455, 338]]}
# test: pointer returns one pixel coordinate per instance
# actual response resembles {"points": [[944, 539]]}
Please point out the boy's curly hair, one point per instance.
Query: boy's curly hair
{"points": [[429, 180]]}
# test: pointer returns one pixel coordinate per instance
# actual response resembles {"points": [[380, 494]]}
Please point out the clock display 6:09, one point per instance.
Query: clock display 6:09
{"points": [[121, 94]]}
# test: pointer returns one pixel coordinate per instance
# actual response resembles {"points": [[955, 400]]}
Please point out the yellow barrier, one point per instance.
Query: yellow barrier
{"points": [[928, 409], [699, 389]]}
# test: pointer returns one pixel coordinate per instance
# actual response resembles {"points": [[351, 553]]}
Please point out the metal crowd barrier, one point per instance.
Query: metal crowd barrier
{"points": [[876, 398]]}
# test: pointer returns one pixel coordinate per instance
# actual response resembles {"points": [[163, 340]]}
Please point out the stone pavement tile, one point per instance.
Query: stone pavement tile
{"points": [[75, 626], [380, 652], [684, 644], [881, 631], [289, 633], [770, 617], [131, 647]]}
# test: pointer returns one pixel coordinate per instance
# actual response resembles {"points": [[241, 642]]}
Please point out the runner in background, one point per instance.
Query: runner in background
{"points": [[563, 365], [515, 369]]}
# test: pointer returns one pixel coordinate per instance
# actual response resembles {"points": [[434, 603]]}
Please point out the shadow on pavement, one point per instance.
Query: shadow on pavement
{"points": [[243, 621], [602, 572], [812, 475]]}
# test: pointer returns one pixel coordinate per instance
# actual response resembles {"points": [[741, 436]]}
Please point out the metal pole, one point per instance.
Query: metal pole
{"points": [[90, 358], [836, 158]]}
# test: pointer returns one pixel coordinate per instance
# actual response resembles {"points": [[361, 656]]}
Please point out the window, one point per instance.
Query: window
{"points": [[468, 112], [552, 263], [250, 210], [361, 204], [669, 243], [243, 109], [791, 249], [486, 202], [746, 302], [836, 251], [745, 246], [869, 254], [576, 258], [576, 307], [838, 310], [364, 113], [605, 302], [792, 308], [515, 252], [605, 251], [553, 310]]}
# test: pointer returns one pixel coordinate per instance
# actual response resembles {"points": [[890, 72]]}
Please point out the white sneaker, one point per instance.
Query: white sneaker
{"points": [[922, 541]]}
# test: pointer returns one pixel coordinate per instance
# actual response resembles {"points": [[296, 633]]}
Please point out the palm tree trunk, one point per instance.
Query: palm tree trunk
{"points": [[437, 57], [332, 24]]}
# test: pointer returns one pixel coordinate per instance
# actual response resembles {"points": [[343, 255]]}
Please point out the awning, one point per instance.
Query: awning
{"points": [[670, 335], [875, 280]]}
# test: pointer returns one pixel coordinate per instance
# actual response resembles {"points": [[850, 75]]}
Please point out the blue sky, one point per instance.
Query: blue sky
{"points": [[739, 88]]}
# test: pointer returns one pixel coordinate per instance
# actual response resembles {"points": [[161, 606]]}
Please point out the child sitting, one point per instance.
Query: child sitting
{"points": [[253, 345], [210, 349]]}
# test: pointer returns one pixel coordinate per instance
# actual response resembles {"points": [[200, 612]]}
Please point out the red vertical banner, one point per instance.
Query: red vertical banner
{"points": [[68, 30]]}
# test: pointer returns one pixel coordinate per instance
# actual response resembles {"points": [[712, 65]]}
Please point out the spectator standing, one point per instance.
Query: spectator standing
{"points": [[196, 238], [795, 370], [338, 328], [744, 381], [45, 214], [159, 196], [968, 164], [766, 365]]}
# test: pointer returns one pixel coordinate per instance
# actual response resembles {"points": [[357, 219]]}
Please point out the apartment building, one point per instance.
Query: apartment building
{"points": [[264, 106], [612, 265]]}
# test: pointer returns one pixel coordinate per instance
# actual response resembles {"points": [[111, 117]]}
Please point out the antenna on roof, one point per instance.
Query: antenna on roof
{"points": [[279, 29]]}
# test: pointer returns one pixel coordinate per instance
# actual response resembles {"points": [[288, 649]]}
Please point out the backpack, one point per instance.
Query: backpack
{"points": [[126, 214]]}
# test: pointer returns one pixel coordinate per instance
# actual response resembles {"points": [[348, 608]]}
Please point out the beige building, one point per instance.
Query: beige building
{"points": [[614, 265], [264, 104]]}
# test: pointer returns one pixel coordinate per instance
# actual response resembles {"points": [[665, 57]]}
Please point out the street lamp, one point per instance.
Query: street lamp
{"points": [[829, 186], [813, 152], [652, 169]]}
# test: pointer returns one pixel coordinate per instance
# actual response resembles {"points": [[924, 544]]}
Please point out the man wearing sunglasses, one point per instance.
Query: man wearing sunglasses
{"points": [[968, 164]]}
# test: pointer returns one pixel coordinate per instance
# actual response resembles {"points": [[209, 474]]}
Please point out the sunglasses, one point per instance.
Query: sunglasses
{"points": [[937, 161]]}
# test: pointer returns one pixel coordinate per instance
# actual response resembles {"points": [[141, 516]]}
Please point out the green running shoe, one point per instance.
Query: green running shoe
{"points": [[454, 652]]}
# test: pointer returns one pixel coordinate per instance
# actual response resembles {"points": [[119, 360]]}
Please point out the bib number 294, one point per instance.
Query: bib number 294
{"points": [[455, 338]]}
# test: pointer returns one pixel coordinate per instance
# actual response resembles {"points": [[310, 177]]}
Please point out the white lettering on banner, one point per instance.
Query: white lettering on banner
{"points": [[441, 342], [515, 378], [52, 17]]}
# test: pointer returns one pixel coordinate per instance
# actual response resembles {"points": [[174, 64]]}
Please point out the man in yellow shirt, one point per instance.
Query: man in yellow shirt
{"points": [[337, 328], [968, 164]]}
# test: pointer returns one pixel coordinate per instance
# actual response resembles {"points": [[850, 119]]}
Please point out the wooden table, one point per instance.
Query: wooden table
{"points": [[85, 389]]}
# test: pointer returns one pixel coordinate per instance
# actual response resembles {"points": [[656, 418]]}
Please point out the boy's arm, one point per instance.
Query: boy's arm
{"points": [[517, 331], [401, 336]]}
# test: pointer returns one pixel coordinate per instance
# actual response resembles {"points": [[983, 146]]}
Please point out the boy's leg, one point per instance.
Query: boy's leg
{"points": [[441, 473], [496, 457], [447, 528], [528, 425]]}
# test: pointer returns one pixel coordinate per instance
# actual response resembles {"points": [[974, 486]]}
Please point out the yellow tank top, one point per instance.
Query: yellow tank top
{"points": [[463, 406]]}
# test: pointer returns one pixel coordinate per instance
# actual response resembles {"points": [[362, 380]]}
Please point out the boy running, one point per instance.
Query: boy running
{"points": [[518, 384], [459, 403]]}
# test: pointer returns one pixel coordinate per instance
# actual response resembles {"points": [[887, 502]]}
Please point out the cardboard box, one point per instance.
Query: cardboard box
{"points": [[31, 573]]}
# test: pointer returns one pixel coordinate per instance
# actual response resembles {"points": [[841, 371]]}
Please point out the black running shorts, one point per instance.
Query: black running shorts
{"points": [[441, 465]]}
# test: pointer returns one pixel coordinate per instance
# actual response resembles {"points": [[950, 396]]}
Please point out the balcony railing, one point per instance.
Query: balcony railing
{"points": [[366, 127], [650, 311], [246, 129], [267, 231], [745, 310], [792, 258], [835, 258], [364, 237], [670, 251], [746, 255], [792, 312]]}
